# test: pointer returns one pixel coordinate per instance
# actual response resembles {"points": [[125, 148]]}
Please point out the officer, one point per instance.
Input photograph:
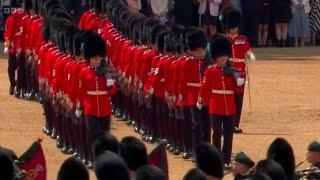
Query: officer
{"points": [[218, 81], [95, 90], [240, 49]]}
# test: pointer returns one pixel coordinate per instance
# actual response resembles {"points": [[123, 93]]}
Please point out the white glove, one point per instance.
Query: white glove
{"points": [[240, 82], [28, 52], [151, 90], [252, 57], [110, 82], [130, 79], [140, 85], [199, 105], [78, 113], [6, 50], [180, 97]]}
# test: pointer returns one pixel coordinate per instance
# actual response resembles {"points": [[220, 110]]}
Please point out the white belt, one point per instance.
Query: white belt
{"points": [[237, 60], [193, 84], [214, 91], [97, 93]]}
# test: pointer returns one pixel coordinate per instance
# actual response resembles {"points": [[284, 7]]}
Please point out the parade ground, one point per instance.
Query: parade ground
{"points": [[285, 102]]}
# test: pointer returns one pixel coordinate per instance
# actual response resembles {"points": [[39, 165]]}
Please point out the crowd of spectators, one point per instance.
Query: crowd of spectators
{"points": [[280, 23]]}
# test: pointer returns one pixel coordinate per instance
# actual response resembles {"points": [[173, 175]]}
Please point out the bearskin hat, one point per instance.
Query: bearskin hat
{"points": [[27, 4], [220, 46], [231, 18], [195, 38], [94, 45], [78, 38]]}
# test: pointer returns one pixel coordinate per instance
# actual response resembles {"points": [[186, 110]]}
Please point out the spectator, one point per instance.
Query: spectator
{"points": [[242, 166], [6, 166], [208, 14], [134, 5], [110, 166], [209, 160], [281, 14], [272, 169], [195, 174], [160, 9], [106, 142], [314, 20], [299, 25], [251, 13], [236, 4], [134, 152], [185, 12], [263, 28], [73, 169], [281, 152], [150, 172]]}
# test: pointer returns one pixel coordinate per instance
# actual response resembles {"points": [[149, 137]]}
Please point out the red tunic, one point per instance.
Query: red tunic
{"points": [[190, 80], [12, 29], [240, 48], [94, 94], [221, 88]]}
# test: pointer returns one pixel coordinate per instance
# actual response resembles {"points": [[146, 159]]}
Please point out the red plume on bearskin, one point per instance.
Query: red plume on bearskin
{"points": [[33, 163], [158, 157]]}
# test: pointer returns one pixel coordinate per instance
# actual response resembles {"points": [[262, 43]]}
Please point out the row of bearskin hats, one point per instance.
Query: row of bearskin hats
{"points": [[58, 28], [143, 30]]}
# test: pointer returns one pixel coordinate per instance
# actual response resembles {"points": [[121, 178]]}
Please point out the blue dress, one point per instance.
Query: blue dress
{"points": [[299, 24]]}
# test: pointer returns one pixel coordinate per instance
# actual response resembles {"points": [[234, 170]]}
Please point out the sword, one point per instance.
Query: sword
{"points": [[249, 88]]}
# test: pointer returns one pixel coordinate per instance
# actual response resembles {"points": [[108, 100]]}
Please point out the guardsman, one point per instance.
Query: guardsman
{"points": [[240, 49], [12, 28], [191, 78], [12, 38], [74, 95], [95, 90], [218, 81]]}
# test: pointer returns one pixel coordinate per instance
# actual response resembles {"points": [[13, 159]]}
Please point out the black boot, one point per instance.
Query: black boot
{"points": [[11, 90], [17, 94]]}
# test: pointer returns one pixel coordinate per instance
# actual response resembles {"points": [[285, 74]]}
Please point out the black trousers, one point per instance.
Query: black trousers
{"points": [[12, 67], [187, 129], [223, 125], [239, 103], [96, 126], [21, 79], [201, 125]]}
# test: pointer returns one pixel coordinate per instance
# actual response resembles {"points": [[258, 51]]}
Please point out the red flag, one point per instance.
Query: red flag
{"points": [[158, 157], [33, 162]]}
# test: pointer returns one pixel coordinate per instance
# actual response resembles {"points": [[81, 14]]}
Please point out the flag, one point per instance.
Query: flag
{"points": [[158, 157], [33, 163]]}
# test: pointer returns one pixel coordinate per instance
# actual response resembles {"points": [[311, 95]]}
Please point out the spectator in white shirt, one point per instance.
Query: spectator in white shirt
{"points": [[208, 15]]}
